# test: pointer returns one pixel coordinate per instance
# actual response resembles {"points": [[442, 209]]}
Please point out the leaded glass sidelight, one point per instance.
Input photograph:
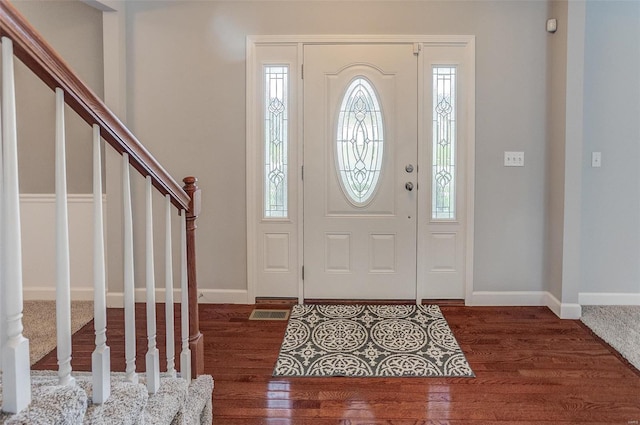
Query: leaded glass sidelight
{"points": [[359, 141], [275, 141], [444, 143]]}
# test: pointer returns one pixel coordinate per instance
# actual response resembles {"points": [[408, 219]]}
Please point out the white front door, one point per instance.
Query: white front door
{"points": [[360, 171]]}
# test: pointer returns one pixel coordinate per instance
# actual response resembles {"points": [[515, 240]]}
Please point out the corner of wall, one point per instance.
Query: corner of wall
{"points": [[555, 149], [570, 311]]}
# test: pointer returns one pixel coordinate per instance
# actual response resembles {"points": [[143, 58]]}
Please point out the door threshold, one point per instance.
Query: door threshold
{"points": [[353, 302], [442, 302], [276, 301]]}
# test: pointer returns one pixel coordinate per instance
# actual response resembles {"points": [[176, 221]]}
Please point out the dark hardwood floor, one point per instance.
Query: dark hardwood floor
{"points": [[531, 368]]}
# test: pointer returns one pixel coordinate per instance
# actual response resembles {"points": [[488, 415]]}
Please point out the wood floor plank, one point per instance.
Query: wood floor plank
{"points": [[531, 368]]}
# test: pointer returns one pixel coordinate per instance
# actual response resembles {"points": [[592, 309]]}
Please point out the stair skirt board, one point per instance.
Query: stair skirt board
{"points": [[269, 314], [174, 403]]}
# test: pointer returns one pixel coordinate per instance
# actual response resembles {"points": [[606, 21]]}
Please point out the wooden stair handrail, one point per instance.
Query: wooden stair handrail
{"points": [[43, 61]]}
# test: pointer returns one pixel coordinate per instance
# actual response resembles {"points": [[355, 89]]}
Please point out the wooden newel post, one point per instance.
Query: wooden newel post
{"points": [[196, 343]]}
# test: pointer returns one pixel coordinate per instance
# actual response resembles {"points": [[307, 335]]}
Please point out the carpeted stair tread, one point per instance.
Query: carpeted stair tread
{"points": [[51, 405], [125, 406], [198, 409], [128, 404], [168, 402]]}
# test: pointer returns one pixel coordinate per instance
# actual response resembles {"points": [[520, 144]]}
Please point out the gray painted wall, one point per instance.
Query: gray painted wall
{"points": [[611, 194], [186, 63], [75, 31], [186, 102]]}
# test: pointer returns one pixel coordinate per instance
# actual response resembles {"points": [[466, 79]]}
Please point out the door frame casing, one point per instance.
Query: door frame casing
{"points": [[254, 150]]}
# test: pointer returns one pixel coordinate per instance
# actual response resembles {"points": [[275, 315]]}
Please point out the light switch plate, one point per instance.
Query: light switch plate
{"points": [[514, 159], [596, 159]]}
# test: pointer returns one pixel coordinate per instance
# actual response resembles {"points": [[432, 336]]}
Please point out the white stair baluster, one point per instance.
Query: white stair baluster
{"points": [[153, 355], [101, 357], [129, 285], [185, 355], [168, 287], [16, 376], [63, 274]]}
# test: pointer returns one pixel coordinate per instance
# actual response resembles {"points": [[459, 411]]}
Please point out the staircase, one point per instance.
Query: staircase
{"points": [[100, 396], [175, 403]]}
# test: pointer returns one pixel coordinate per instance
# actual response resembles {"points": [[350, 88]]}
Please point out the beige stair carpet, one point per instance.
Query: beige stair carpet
{"points": [[39, 321]]}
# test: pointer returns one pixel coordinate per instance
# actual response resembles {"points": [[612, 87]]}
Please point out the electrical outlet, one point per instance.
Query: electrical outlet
{"points": [[514, 159]]}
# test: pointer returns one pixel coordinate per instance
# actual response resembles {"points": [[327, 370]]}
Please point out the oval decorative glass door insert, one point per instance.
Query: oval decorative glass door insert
{"points": [[360, 142]]}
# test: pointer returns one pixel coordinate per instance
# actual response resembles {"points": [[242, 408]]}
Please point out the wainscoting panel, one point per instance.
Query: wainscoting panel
{"points": [[37, 215]]}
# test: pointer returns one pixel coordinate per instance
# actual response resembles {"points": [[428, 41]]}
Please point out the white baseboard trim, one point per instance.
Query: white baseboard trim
{"points": [[563, 310], [508, 298], [49, 294], [604, 298], [50, 198], [206, 296], [115, 300], [526, 298], [224, 296]]}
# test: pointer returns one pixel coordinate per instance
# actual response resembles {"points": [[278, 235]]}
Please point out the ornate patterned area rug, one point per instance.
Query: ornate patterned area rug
{"points": [[370, 340]]}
